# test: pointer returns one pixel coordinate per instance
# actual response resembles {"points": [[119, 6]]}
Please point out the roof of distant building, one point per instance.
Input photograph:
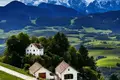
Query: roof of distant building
{"points": [[38, 45]]}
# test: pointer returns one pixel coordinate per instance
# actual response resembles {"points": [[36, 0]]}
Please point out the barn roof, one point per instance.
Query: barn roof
{"points": [[38, 45], [62, 67], [35, 67]]}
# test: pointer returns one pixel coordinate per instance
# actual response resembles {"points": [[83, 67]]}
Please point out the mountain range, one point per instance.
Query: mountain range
{"points": [[84, 6], [17, 15]]}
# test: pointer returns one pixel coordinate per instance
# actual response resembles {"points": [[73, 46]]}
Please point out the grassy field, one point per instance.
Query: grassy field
{"points": [[107, 53], [6, 76], [74, 41], [108, 62], [14, 68], [111, 60]]}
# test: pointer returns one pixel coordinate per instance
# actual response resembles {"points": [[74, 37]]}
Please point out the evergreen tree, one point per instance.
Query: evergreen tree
{"points": [[87, 61], [34, 39], [113, 77], [59, 44]]}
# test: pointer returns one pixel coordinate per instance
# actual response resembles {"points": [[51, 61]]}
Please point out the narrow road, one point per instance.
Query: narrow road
{"points": [[14, 73]]}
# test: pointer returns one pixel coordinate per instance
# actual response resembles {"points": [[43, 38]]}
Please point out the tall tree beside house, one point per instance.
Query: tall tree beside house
{"points": [[12, 55], [59, 45], [34, 39], [44, 42], [12, 44], [87, 61], [24, 42], [71, 56], [16, 47]]}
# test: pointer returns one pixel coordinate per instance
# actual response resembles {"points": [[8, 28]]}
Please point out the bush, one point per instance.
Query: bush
{"points": [[26, 66], [118, 64]]}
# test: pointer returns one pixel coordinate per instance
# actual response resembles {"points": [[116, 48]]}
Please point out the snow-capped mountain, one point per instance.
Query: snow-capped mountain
{"points": [[89, 6]]}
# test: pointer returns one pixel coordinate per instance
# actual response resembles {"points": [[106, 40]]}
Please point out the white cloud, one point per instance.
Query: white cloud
{"points": [[4, 2]]}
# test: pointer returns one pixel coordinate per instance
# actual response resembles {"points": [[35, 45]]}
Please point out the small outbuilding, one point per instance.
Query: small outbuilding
{"points": [[65, 72], [38, 71]]}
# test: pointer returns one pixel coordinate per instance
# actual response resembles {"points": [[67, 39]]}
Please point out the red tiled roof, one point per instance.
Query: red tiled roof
{"points": [[62, 67], [37, 45]]}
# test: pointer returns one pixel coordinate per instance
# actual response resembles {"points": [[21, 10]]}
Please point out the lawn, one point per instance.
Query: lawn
{"points": [[108, 62], [14, 68], [6, 76]]}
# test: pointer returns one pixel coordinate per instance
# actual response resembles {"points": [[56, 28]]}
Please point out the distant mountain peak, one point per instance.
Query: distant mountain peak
{"points": [[89, 6], [15, 3]]}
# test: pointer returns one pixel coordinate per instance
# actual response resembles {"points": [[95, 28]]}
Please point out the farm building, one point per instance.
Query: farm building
{"points": [[65, 72], [35, 49], [38, 71]]}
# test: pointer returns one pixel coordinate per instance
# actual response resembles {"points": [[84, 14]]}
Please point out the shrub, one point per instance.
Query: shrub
{"points": [[26, 66], [118, 64]]}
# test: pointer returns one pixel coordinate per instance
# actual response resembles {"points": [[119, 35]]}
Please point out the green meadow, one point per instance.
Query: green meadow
{"points": [[22, 71], [112, 58], [6, 76], [108, 62]]}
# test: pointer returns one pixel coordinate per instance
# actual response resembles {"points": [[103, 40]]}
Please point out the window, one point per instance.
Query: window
{"points": [[31, 45], [68, 76], [34, 50], [68, 69], [51, 74], [27, 50]]}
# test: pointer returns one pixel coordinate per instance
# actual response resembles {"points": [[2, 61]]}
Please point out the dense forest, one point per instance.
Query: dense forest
{"points": [[57, 48]]}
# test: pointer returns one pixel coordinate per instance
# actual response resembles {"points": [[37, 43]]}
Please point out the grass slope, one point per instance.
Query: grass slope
{"points": [[108, 62], [6, 76], [14, 68], [111, 60]]}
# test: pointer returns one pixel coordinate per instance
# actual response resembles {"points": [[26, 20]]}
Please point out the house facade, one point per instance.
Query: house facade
{"points": [[35, 49], [65, 72], [39, 71]]}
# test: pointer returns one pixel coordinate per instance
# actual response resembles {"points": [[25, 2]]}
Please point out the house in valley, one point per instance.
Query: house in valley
{"points": [[35, 49], [65, 72], [38, 71]]}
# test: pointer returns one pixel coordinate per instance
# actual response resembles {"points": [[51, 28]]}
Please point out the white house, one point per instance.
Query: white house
{"points": [[65, 72], [35, 49], [39, 71]]}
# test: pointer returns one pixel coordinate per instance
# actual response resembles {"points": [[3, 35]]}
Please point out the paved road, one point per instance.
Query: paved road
{"points": [[22, 76]]}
